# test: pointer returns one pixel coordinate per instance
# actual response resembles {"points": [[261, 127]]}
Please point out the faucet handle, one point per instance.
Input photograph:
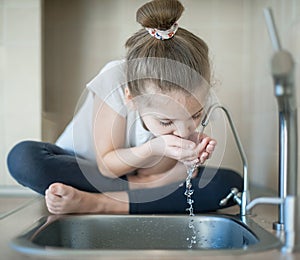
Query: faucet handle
{"points": [[234, 193]]}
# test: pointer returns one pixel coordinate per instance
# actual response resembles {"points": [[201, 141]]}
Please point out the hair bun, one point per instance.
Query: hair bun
{"points": [[159, 14]]}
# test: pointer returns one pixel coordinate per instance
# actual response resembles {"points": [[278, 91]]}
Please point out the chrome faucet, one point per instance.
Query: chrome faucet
{"points": [[288, 202], [282, 67], [241, 198]]}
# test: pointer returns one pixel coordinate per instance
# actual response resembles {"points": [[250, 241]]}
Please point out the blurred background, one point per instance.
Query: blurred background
{"points": [[50, 49]]}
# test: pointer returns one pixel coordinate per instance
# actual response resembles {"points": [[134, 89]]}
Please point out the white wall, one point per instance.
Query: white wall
{"points": [[20, 76]]}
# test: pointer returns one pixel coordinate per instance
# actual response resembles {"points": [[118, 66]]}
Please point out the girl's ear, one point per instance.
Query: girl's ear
{"points": [[128, 96], [129, 99]]}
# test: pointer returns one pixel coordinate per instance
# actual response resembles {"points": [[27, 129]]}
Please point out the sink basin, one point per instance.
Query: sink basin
{"points": [[120, 234]]}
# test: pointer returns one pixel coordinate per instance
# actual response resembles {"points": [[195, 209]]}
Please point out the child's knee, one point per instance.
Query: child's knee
{"points": [[20, 158]]}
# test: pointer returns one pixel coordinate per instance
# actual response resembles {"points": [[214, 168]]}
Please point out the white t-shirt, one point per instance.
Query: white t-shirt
{"points": [[109, 86]]}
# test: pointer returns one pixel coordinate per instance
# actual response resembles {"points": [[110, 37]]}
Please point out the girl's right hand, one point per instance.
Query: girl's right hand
{"points": [[174, 147]]}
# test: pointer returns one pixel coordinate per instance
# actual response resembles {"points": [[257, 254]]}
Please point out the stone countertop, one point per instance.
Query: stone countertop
{"points": [[14, 224]]}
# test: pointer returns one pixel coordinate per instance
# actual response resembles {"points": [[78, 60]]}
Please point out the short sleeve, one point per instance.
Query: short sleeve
{"points": [[109, 86]]}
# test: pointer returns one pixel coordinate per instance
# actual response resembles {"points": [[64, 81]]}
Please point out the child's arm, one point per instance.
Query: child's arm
{"points": [[206, 146], [176, 174], [114, 160]]}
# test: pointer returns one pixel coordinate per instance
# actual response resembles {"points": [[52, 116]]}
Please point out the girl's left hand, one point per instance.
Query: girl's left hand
{"points": [[205, 146]]}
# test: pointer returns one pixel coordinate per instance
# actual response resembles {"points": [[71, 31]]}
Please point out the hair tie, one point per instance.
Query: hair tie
{"points": [[163, 35]]}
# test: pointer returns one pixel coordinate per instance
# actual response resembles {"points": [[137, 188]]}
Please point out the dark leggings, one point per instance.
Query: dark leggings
{"points": [[37, 165]]}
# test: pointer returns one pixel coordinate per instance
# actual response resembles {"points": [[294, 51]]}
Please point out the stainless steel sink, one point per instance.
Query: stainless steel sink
{"points": [[120, 234]]}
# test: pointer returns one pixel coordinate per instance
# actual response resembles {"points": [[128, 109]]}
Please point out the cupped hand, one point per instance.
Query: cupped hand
{"points": [[173, 147], [197, 149], [205, 146]]}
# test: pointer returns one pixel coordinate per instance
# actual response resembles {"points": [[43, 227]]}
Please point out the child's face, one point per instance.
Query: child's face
{"points": [[173, 113]]}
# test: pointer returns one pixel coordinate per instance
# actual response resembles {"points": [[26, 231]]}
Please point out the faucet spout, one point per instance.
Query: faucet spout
{"points": [[245, 193]]}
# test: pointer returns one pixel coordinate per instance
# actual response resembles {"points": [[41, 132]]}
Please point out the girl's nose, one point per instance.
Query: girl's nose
{"points": [[183, 130]]}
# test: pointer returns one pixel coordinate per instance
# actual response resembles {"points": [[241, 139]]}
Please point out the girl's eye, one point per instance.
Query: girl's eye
{"points": [[166, 123], [197, 116]]}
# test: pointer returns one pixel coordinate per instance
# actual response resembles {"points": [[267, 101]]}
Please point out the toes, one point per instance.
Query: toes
{"points": [[53, 201], [54, 207], [51, 206], [60, 198], [58, 189], [51, 197]]}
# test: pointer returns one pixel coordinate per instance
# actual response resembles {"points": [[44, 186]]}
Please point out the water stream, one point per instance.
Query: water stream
{"points": [[188, 189], [188, 193]]}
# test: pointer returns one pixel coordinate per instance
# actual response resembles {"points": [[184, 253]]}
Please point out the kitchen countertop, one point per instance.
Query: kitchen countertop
{"points": [[9, 205], [25, 216]]}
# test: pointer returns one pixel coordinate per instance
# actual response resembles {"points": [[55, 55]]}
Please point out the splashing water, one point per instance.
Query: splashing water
{"points": [[188, 189], [193, 239], [188, 193]]}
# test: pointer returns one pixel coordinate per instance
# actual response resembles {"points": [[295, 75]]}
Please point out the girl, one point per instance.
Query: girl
{"points": [[128, 148]]}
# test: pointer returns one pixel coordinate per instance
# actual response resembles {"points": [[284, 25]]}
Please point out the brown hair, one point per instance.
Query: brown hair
{"points": [[156, 60]]}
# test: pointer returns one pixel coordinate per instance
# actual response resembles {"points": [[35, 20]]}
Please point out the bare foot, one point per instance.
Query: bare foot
{"points": [[64, 199]]}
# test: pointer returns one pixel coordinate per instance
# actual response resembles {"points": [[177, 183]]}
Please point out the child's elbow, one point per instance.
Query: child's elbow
{"points": [[106, 168], [106, 172], [109, 174]]}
